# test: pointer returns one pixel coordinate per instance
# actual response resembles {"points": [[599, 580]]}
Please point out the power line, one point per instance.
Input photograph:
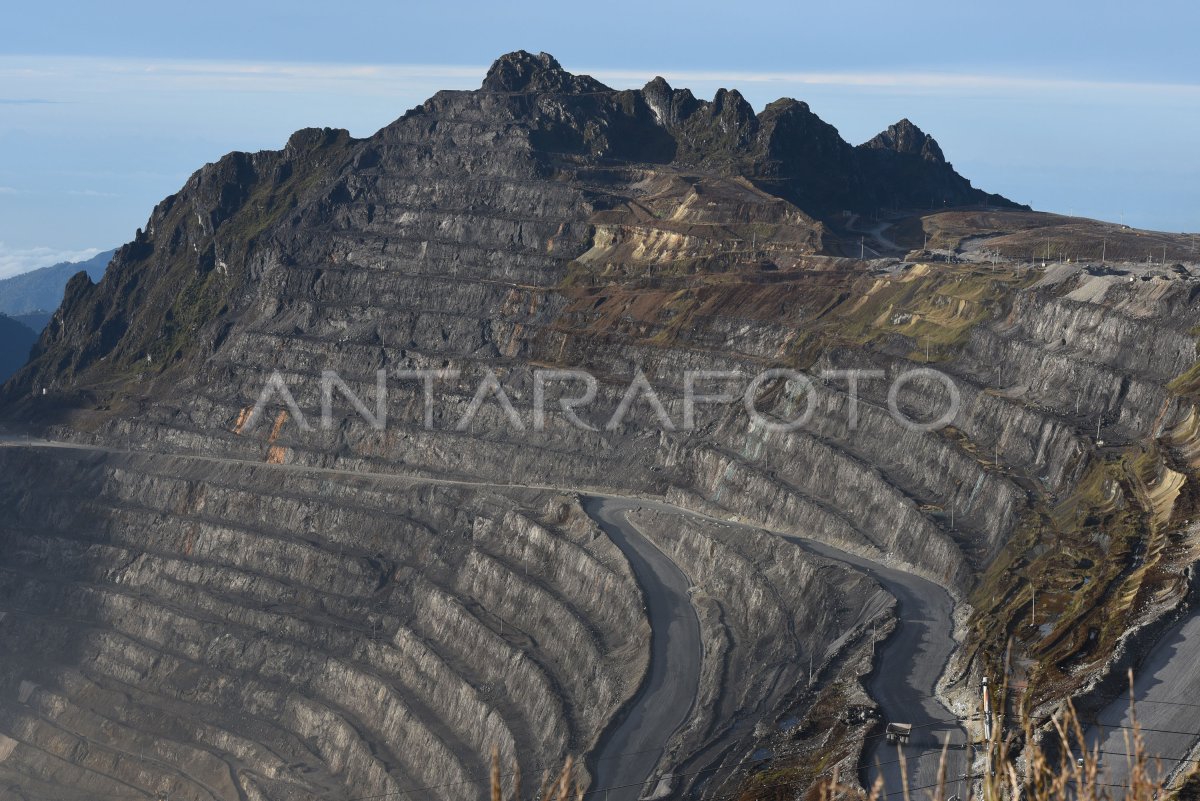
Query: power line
{"points": [[101, 623], [484, 782], [1136, 702], [613, 787], [1159, 758], [1144, 728], [776, 755], [929, 786], [713, 769]]}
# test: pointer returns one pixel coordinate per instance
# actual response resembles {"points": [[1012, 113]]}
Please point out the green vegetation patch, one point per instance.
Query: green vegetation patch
{"points": [[1091, 558]]}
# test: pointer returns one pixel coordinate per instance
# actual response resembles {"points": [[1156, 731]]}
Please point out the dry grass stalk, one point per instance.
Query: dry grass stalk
{"points": [[561, 787], [1062, 769]]}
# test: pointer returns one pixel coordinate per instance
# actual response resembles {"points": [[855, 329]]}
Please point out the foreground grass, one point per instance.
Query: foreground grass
{"points": [[1055, 765], [563, 787]]}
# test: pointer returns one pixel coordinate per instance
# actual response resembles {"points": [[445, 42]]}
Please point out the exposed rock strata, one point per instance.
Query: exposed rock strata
{"points": [[277, 635]]}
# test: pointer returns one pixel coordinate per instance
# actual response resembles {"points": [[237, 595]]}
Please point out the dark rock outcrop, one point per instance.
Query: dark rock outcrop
{"points": [[910, 164], [906, 138], [41, 290], [524, 72]]}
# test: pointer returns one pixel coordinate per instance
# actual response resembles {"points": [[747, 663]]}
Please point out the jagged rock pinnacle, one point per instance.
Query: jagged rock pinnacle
{"points": [[521, 71], [904, 137]]}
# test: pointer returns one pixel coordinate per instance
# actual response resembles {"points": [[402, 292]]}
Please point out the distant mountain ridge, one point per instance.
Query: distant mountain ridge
{"points": [[35, 321], [15, 341], [42, 290]]}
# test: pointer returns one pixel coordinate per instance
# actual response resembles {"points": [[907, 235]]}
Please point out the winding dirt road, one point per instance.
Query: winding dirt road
{"points": [[908, 666], [626, 761]]}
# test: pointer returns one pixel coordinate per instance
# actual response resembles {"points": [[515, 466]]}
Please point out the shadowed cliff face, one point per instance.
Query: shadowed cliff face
{"points": [[322, 637]]}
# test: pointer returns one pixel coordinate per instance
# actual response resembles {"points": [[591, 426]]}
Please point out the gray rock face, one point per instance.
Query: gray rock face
{"points": [[212, 629], [201, 610], [906, 138], [203, 630], [525, 72]]}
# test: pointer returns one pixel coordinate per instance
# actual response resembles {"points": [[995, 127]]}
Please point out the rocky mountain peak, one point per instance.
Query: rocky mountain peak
{"points": [[313, 138], [905, 137], [728, 104], [522, 71], [658, 96], [172, 292], [669, 106], [657, 88]]}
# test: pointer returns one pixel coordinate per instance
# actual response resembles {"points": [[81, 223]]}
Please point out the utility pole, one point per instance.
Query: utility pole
{"points": [[987, 725], [862, 249], [1103, 249]]}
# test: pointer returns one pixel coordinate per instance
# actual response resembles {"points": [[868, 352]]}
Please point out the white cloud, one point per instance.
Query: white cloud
{"points": [[14, 261], [7, 190], [81, 78], [84, 76], [951, 83]]}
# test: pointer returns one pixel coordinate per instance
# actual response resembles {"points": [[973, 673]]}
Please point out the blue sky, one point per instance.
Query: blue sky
{"points": [[1085, 108]]}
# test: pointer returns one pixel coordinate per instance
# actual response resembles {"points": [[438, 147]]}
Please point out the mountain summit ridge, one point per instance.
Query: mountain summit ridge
{"points": [[521, 71], [905, 137], [786, 148], [174, 288]]}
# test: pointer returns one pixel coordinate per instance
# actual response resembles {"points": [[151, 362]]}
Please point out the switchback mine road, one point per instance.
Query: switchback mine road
{"points": [[629, 752], [907, 666]]}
